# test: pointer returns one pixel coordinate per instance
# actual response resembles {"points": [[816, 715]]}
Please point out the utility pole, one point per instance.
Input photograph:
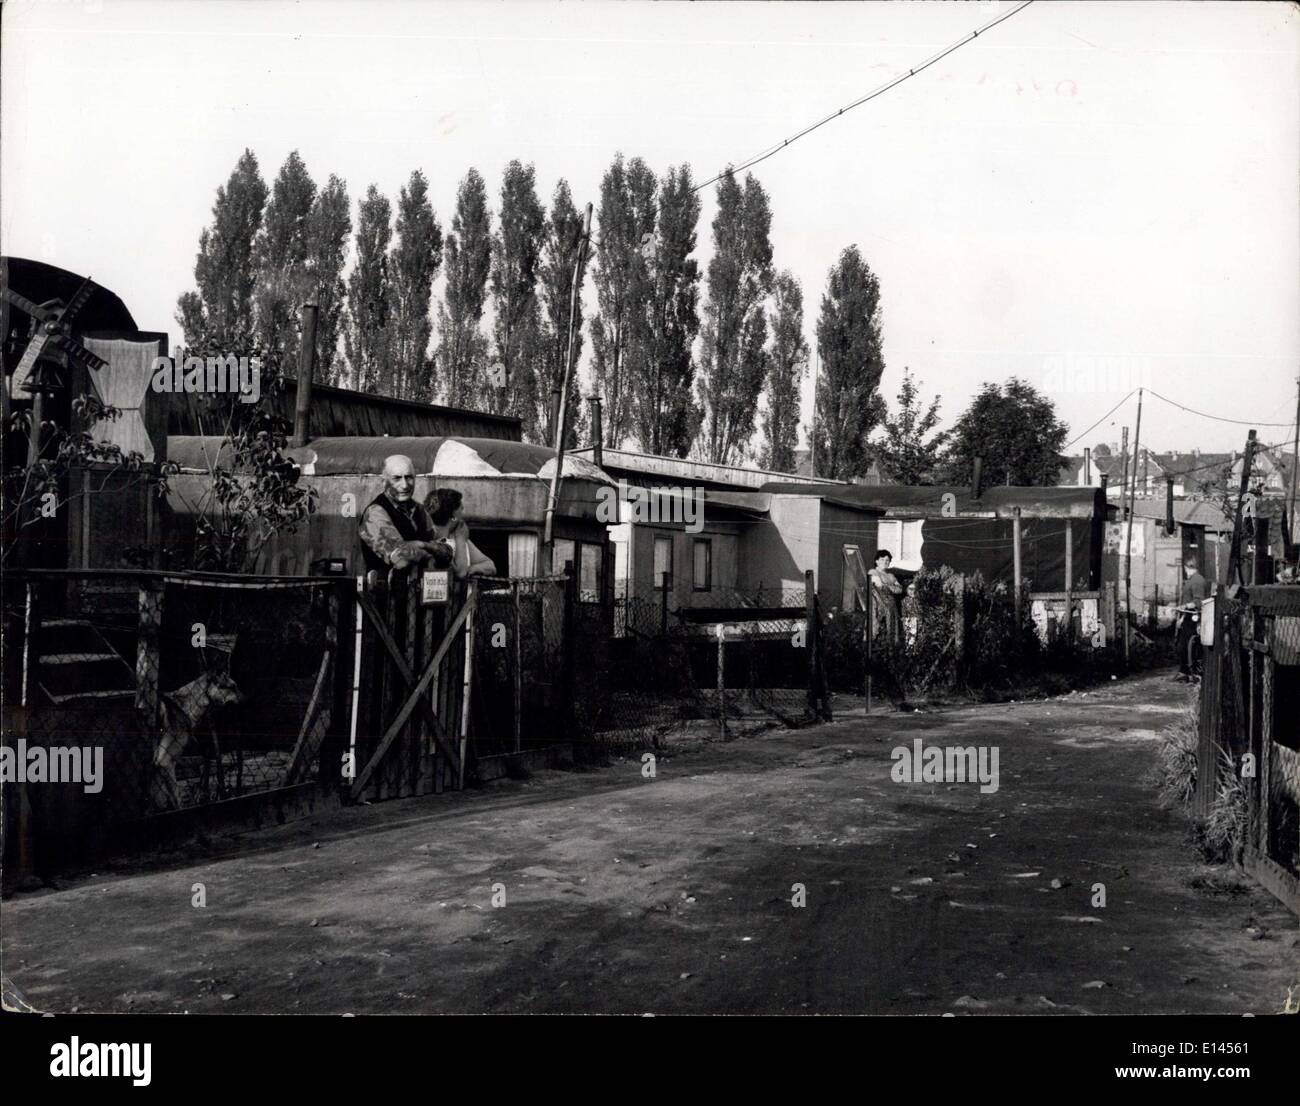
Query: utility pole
{"points": [[1128, 534], [812, 438], [553, 499], [1234, 558]]}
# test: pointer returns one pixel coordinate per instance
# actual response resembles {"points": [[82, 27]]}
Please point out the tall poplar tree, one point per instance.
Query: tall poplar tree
{"points": [[733, 357], [787, 362], [848, 404], [662, 367], [281, 253], [224, 269], [516, 324], [413, 265], [328, 228], [627, 213], [559, 256], [467, 256], [366, 335]]}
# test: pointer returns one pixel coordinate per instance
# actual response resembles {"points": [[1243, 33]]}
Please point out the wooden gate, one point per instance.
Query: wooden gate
{"points": [[412, 688]]}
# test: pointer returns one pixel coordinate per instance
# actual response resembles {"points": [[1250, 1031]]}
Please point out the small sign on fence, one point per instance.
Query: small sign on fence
{"points": [[1206, 627], [435, 587]]}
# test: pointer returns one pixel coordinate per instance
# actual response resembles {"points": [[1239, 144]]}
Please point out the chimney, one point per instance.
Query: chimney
{"points": [[977, 477], [597, 431], [1087, 467], [1169, 504], [306, 370]]}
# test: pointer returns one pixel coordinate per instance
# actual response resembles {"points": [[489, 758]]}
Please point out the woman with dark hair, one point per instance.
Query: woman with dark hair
{"points": [[884, 600], [446, 507]]}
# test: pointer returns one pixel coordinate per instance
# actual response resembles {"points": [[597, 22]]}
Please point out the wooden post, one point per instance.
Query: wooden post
{"points": [[570, 646], [306, 370], [1128, 534], [810, 643], [467, 687], [1213, 661], [518, 665], [1069, 580], [868, 634], [1234, 557], [1015, 568], [722, 682]]}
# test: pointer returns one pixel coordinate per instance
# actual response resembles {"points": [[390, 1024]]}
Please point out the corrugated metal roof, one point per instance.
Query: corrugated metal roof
{"points": [[431, 456], [912, 501]]}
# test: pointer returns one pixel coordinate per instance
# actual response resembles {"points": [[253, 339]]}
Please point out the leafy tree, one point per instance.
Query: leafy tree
{"points": [[661, 367], [252, 491], [281, 253], [328, 228], [516, 258], [787, 362], [559, 256], [366, 335], [462, 349], [627, 213], [733, 361], [848, 406], [904, 453], [34, 492], [1015, 430], [224, 269], [413, 265]]}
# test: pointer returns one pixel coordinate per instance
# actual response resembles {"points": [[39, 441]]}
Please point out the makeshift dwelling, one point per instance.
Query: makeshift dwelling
{"points": [[932, 527], [505, 484], [710, 536]]}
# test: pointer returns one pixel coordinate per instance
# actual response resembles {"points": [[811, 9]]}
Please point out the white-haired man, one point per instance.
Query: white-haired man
{"points": [[395, 530]]}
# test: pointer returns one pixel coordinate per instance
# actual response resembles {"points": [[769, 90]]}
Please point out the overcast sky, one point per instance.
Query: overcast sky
{"points": [[1087, 186]]}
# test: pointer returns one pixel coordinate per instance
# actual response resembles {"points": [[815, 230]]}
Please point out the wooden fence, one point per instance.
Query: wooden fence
{"points": [[1250, 725]]}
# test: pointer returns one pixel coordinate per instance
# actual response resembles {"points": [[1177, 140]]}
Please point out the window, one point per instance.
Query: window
{"points": [[589, 573], [854, 580], [663, 560], [521, 554], [561, 552], [702, 564], [902, 537]]}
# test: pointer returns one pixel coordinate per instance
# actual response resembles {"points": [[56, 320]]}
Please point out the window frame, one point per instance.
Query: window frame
{"points": [[707, 544], [667, 538]]}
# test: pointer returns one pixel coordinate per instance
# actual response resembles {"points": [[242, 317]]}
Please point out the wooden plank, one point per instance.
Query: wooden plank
{"points": [[297, 757], [471, 601], [413, 700]]}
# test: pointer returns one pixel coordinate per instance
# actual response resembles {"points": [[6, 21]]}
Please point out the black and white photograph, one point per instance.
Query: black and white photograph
{"points": [[650, 509]]}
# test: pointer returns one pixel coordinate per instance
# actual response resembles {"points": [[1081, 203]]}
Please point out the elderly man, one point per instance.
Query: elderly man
{"points": [[395, 530]]}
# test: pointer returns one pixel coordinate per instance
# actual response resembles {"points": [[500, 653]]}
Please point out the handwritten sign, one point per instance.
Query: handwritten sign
{"points": [[435, 587]]}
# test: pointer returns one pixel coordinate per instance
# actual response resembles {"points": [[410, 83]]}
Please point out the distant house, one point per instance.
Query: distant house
{"points": [[1270, 472]]}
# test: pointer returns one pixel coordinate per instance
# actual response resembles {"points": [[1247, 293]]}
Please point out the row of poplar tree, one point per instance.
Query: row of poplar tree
{"points": [[677, 377]]}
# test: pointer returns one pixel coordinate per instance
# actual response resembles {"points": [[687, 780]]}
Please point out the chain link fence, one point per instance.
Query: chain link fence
{"points": [[134, 695]]}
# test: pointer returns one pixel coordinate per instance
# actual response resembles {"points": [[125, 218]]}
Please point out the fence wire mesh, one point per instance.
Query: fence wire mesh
{"points": [[185, 691]]}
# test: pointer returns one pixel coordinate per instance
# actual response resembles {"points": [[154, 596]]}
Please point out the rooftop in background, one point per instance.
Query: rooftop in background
{"points": [[999, 501], [639, 468], [343, 413], [1193, 512]]}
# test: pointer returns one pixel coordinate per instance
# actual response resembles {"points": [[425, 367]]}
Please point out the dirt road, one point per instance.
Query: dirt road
{"points": [[676, 894]]}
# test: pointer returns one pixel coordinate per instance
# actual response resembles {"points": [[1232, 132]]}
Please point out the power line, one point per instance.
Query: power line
{"points": [[771, 150], [1217, 418], [1099, 421]]}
